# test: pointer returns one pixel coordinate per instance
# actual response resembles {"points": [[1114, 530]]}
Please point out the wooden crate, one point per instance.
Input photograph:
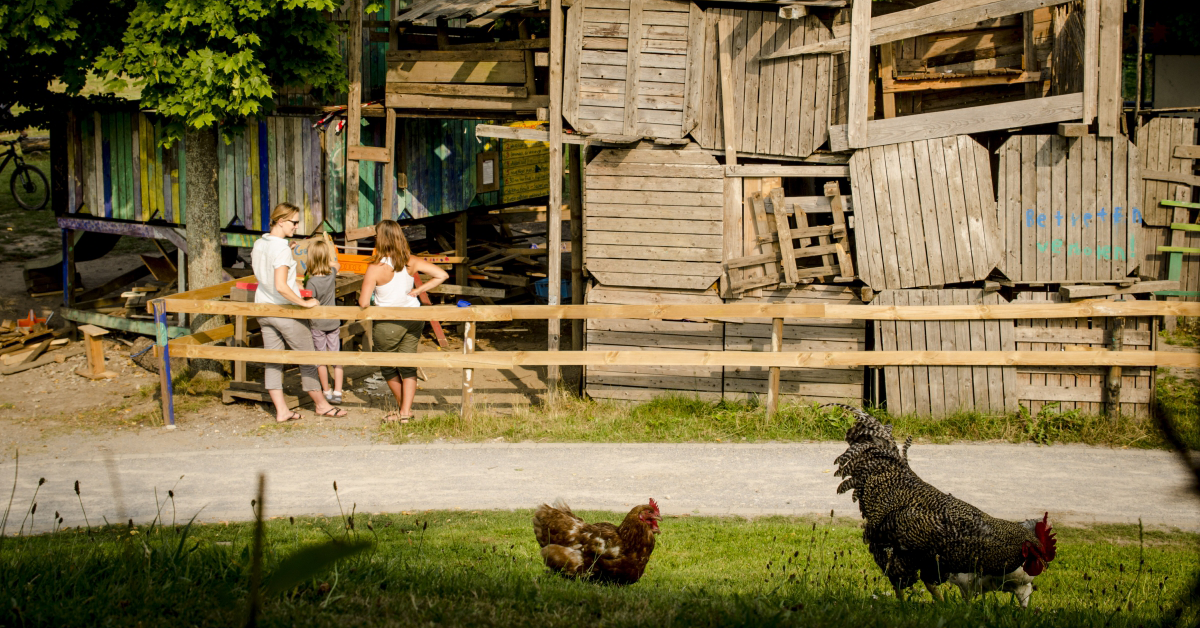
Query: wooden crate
{"points": [[782, 105], [941, 390], [1070, 208], [641, 383], [1081, 387], [926, 215], [615, 84], [652, 218], [1157, 139], [824, 385]]}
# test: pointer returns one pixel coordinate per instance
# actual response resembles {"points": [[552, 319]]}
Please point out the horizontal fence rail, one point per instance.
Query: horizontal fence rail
{"points": [[200, 302], [1082, 309]]}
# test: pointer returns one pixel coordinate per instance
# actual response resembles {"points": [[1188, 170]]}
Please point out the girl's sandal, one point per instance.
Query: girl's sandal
{"points": [[396, 418], [333, 413], [295, 417]]}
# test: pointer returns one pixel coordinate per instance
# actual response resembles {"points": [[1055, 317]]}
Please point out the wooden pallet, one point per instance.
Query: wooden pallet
{"points": [[1158, 142]]}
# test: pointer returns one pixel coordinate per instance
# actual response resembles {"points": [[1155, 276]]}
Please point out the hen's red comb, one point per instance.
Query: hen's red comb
{"points": [[1044, 535], [654, 505]]}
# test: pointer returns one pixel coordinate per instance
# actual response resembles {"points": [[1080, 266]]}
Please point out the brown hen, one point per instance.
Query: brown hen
{"points": [[597, 551]]}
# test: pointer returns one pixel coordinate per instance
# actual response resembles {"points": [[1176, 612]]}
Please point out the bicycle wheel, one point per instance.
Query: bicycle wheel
{"points": [[29, 187]]}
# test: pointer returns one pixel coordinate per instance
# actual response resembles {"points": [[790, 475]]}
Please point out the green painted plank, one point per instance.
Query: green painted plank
{"points": [[1178, 249], [1183, 226], [1180, 204], [1177, 293], [123, 324]]}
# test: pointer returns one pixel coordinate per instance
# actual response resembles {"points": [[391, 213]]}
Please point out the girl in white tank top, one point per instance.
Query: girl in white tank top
{"points": [[393, 287]]}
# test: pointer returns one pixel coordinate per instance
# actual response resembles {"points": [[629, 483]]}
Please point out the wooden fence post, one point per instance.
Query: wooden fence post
{"points": [[1114, 372], [468, 380], [164, 368], [239, 339], [773, 377]]}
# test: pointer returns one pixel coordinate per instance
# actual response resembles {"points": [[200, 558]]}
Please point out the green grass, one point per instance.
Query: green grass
{"points": [[688, 419], [1186, 333], [483, 569]]}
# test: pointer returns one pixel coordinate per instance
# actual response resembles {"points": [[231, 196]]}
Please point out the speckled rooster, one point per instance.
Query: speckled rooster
{"points": [[916, 532], [599, 551]]}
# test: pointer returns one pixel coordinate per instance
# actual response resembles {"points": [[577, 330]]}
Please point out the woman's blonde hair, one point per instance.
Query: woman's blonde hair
{"points": [[283, 211], [320, 258], [390, 242]]}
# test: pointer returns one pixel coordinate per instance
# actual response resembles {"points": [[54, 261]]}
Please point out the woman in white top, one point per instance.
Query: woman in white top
{"points": [[275, 270], [389, 278]]}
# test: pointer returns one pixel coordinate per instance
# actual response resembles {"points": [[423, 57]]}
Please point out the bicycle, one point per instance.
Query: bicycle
{"points": [[28, 185]]}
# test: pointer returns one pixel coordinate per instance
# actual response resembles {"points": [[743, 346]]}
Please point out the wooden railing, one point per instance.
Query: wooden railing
{"points": [[199, 302]]}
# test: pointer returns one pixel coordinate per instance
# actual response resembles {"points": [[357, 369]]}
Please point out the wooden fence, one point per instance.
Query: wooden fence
{"points": [[199, 302]]}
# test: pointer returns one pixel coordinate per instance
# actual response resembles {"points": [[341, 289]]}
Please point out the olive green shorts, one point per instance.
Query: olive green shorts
{"points": [[397, 337]]}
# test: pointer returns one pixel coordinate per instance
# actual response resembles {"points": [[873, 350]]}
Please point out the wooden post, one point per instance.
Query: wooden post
{"points": [[68, 273], [575, 163], [181, 278], [530, 84], [1141, 58], [773, 377], [94, 349], [239, 339], [389, 169], [353, 114], [1114, 372], [159, 307], [554, 213], [1029, 55], [460, 250], [1091, 59], [860, 74], [731, 232], [1109, 84], [468, 377]]}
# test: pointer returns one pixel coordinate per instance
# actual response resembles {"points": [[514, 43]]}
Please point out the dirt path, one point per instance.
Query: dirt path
{"points": [[1075, 484]]}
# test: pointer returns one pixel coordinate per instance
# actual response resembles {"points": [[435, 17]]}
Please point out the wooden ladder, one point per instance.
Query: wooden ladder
{"points": [[1175, 253]]}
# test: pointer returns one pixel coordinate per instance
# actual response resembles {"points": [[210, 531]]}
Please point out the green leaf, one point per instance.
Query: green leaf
{"points": [[310, 561]]}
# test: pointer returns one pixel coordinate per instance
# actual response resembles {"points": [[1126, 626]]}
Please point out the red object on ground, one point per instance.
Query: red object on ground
{"points": [[29, 321]]}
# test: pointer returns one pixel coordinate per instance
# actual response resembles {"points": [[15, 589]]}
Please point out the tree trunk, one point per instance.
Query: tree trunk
{"points": [[203, 230]]}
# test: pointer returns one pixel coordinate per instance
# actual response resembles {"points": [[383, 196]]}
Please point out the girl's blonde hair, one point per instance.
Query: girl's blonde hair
{"points": [[283, 211], [320, 258], [390, 242]]}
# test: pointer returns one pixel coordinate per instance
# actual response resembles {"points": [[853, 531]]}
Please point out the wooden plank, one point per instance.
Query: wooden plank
{"points": [[1074, 209], [787, 171], [669, 184], [701, 227], [983, 118], [868, 249], [766, 85], [787, 251], [632, 68], [1090, 228], [1108, 84], [1059, 218], [746, 62], [857, 130], [1091, 60]]}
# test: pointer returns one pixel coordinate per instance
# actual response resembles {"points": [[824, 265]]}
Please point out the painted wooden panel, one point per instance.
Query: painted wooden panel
{"points": [[1157, 139], [1070, 208]]}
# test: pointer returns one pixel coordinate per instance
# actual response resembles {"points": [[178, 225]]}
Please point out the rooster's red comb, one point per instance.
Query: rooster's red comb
{"points": [[1044, 535], [654, 505]]}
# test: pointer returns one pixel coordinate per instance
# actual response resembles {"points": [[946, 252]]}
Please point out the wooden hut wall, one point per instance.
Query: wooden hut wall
{"points": [[1080, 387], [783, 105], [926, 213], [439, 161], [825, 385], [1070, 208], [644, 382], [653, 218], [938, 390], [273, 160], [604, 58], [1157, 139], [120, 170]]}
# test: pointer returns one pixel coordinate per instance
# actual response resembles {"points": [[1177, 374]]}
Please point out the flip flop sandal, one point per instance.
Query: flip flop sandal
{"points": [[333, 413], [295, 417]]}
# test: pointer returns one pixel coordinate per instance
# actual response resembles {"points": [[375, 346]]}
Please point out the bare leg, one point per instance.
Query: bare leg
{"points": [[409, 393], [338, 375], [282, 413], [322, 405], [323, 375], [397, 390]]}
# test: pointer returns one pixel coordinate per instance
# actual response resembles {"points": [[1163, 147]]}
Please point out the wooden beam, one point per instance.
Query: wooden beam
{"points": [[997, 117], [1073, 129], [575, 164], [369, 153], [1185, 151], [554, 213], [124, 324], [1109, 84], [481, 103], [459, 89], [529, 135], [786, 171], [389, 170], [773, 373], [1172, 177], [785, 359], [468, 375], [1143, 287], [963, 82], [1082, 309], [541, 43], [860, 75], [732, 213], [1091, 59], [353, 115]]}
